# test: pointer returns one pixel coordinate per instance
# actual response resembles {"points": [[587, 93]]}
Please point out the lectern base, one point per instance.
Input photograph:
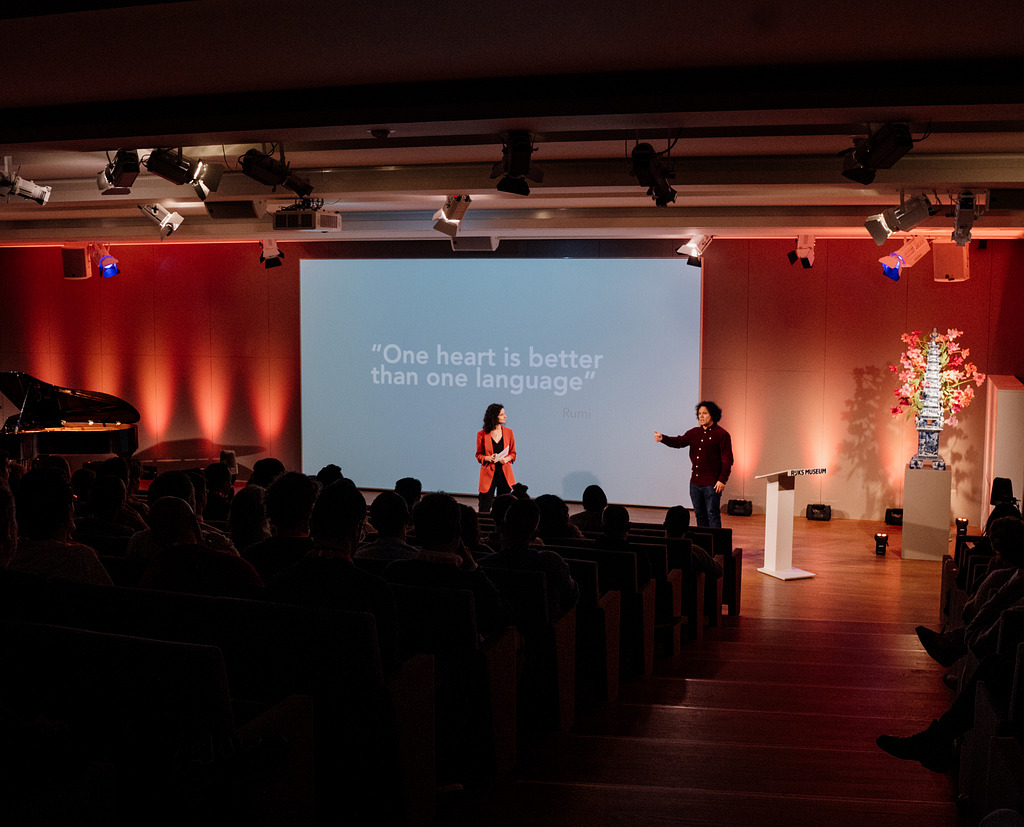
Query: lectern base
{"points": [[787, 574]]}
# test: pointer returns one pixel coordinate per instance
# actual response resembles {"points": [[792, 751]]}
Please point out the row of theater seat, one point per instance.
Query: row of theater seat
{"points": [[991, 769], [315, 674]]}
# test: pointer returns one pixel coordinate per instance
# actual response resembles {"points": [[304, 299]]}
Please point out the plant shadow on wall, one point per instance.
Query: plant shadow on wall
{"points": [[859, 454], [961, 461]]}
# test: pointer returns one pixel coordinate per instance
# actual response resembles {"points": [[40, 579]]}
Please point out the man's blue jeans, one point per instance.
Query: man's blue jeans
{"points": [[707, 505]]}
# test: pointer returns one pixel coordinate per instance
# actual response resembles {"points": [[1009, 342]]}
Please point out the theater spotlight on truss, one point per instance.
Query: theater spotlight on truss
{"points": [[178, 168], [651, 171], [13, 184], [119, 175], [899, 219], [515, 166], [447, 219], [273, 172], [914, 249], [167, 221], [968, 208], [270, 256], [804, 252], [878, 151], [105, 263], [694, 249]]}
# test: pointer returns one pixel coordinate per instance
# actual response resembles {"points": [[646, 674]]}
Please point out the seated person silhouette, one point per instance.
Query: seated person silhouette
{"points": [[594, 502], [289, 502], [389, 515]]}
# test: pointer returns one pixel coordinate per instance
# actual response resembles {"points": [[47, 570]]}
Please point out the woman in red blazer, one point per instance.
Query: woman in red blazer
{"points": [[495, 448]]}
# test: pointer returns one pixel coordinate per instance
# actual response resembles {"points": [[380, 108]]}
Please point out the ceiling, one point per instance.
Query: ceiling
{"points": [[757, 100]]}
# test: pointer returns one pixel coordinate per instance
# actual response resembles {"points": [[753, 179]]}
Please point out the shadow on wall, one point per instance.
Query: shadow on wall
{"points": [[573, 485], [963, 463], [863, 458]]}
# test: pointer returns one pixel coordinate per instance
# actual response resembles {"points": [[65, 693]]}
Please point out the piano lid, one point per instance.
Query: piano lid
{"points": [[43, 405]]}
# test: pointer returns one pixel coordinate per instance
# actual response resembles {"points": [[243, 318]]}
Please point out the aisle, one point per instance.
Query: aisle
{"points": [[770, 720]]}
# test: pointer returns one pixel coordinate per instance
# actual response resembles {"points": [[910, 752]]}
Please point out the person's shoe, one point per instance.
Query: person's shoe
{"points": [[941, 650], [931, 748]]}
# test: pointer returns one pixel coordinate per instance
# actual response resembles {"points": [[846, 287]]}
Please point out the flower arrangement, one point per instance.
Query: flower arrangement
{"points": [[957, 374]]}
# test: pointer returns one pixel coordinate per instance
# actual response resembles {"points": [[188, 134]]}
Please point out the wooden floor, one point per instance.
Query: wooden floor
{"points": [[771, 720]]}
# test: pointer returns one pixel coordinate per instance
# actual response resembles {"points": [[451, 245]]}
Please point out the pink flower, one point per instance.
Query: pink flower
{"points": [[896, 411], [980, 379]]}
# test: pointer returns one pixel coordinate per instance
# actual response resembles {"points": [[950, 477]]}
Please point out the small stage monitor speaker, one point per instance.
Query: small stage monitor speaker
{"points": [[819, 512]]}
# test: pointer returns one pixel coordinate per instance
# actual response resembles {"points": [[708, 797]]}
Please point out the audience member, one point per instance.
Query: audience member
{"points": [[8, 524], [329, 474], [554, 520], [184, 564], [265, 471], [218, 493], [57, 463], [247, 520], [289, 502], [410, 490], [109, 496], [328, 578], [594, 501], [46, 516], [81, 487], [677, 525], [615, 525], [519, 530], [471, 532], [446, 563], [500, 505], [134, 483], [389, 515], [118, 467]]}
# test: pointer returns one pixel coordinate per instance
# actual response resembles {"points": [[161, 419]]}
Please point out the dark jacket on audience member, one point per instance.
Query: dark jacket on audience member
{"points": [[493, 612], [276, 554], [336, 583], [196, 569], [562, 591]]}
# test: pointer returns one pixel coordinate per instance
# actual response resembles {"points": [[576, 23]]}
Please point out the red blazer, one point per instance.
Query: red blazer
{"points": [[484, 448]]}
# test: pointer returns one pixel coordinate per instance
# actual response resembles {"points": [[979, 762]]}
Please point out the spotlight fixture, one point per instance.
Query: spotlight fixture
{"points": [[878, 151], [898, 219], [446, 219], [961, 526], [178, 168], [516, 149], [105, 263], [13, 184], [694, 249], [914, 249], [273, 172], [650, 172], [167, 221], [119, 175], [881, 542], [968, 208], [804, 252], [270, 256]]}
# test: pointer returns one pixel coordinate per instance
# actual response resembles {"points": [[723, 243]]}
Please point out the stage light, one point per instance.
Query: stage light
{"points": [[694, 249], [178, 168], [105, 263], [881, 542], [878, 151], [270, 256], [961, 526], [119, 175], [915, 248], [650, 172], [447, 219], [273, 172], [167, 221], [966, 210], [804, 252], [515, 167], [13, 184], [898, 219]]}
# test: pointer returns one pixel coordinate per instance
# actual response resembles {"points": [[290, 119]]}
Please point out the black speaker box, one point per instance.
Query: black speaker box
{"points": [[894, 516], [819, 512], [739, 508]]}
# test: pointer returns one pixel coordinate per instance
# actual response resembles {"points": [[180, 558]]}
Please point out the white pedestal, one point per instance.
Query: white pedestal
{"points": [[778, 528], [926, 513], [1004, 438]]}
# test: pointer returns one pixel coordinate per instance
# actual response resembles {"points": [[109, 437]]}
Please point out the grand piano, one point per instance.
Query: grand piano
{"points": [[55, 420]]}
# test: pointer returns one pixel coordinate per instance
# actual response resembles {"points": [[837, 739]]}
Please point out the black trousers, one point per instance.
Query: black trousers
{"points": [[499, 485]]}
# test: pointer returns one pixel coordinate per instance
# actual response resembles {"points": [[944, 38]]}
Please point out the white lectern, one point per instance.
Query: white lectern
{"points": [[778, 524]]}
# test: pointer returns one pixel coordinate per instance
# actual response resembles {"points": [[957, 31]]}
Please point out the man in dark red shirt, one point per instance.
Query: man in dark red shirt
{"points": [[711, 455]]}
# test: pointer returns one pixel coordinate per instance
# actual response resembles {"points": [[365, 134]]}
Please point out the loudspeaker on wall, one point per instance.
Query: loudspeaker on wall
{"points": [[76, 261]]}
